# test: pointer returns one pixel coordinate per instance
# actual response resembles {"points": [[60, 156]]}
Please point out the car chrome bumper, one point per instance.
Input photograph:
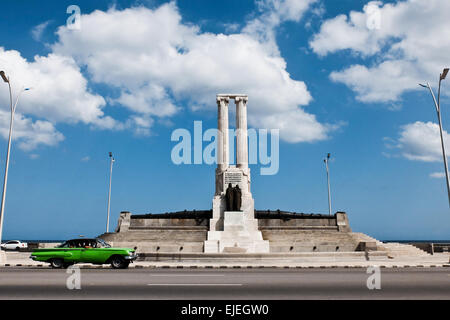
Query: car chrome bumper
{"points": [[131, 257]]}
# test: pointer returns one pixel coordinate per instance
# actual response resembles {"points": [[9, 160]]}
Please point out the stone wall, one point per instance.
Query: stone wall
{"points": [[159, 233], [291, 233], [186, 231]]}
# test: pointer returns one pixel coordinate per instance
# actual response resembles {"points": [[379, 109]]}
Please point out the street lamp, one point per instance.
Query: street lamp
{"points": [[109, 193], [326, 160], [13, 109], [438, 111]]}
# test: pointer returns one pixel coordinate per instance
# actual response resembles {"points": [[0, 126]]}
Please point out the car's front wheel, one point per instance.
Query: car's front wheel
{"points": [[57, 263], [118, 262]]}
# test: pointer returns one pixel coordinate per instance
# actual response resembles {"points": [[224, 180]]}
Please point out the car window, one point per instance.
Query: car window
{"points": [[12, 242], [102, 244], [64, 245], [79, 244]]}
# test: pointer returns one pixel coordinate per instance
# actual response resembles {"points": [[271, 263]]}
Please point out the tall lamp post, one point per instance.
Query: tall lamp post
{"points": [[328, 180], [437, 105], [11, 123], [109, 192]]}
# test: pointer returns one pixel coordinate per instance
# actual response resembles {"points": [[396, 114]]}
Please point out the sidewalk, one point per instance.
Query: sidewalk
{"points": [[21, 259]]}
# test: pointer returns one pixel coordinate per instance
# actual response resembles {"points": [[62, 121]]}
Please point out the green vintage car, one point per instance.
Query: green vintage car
{"points": [[94, 251]]}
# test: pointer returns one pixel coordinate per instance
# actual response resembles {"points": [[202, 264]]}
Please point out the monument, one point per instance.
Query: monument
{"points": [[233, 227]]}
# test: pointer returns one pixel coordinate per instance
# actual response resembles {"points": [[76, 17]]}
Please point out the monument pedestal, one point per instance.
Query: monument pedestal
{"points": [[240, 235], [233, 231]]}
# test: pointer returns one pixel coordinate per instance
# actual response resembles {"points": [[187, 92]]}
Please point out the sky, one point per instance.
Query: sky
{"points": [[337, 77]]}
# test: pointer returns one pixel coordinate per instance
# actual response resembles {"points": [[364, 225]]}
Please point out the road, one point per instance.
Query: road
{"points": [[225, 284]]}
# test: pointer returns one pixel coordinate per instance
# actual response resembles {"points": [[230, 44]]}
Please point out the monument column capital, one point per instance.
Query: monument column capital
{"points": [[222, 99], [239, 99]]}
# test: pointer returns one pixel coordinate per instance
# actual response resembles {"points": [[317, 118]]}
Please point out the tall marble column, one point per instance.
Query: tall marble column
{"points": [[222, 134], [241, 132]]}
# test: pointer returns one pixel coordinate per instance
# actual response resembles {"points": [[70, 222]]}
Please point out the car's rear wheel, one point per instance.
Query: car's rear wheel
{"points": [[118, 262], [17, 248], [57, 263]]}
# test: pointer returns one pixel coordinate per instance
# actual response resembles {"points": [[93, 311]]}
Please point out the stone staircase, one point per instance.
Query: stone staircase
{"points": [[393, 249], [302, 240], [162, 239]]}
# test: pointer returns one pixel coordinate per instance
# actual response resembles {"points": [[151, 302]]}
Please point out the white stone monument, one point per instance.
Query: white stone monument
{"points": [[233, 231]]}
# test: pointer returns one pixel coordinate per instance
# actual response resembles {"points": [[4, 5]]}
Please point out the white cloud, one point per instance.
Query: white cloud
{"points": [[29, 134], [272, 14], [85, 159], [38, 30], [437, 175], [59, 94], [412, 45], [59, 90], [421, 141], [155, 61], [384, 82]]}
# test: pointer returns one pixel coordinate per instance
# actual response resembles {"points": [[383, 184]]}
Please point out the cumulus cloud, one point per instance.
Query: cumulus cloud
{"points": [[155, 61], [38, 30], [28, 133], [272, 14], [153, 64], [420, 141], [59, 93], [410, 44], [59, 90]]}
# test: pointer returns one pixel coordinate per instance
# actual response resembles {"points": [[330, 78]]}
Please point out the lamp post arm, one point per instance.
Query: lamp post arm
{"points": [[444, 155], [436, 104]]}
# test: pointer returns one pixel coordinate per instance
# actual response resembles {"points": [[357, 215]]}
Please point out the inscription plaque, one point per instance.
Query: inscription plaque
{"points": [[232, 177]]}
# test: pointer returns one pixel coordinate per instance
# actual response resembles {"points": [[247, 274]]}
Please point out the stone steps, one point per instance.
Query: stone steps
{"points": [[399, 249], [266, 258], [163, 246], [288, 240], [157, 235], [394, 249]]}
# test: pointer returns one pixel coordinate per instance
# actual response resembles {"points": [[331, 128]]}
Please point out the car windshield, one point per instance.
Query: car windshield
{"points": [[103, 244], [63, 245]]}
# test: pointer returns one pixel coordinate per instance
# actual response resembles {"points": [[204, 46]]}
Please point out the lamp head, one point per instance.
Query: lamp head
{"points": [[3, 75], [422, 85], [444, 74], [328, 156], [110, 154]]}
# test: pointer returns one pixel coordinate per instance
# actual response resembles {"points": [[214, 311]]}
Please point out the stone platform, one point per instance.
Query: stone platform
{"points": [[240, 234], [287, 233]]}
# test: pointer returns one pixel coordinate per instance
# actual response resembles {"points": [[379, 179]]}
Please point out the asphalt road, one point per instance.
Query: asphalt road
{"points": [[225, 284]]}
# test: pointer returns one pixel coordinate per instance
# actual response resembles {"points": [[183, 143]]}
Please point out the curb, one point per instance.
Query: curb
{"points": [[6, 265]]}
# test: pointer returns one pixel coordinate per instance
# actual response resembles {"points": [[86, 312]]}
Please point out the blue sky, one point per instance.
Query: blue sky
{"points": [[138, 70]]}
